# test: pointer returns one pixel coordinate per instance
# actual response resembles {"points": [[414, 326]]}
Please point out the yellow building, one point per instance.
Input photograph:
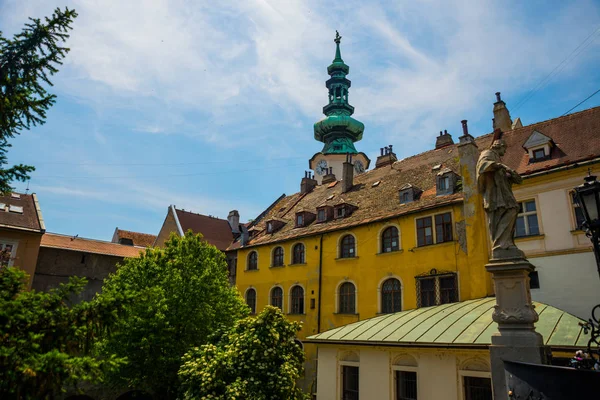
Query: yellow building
{"points": [[403, 235], [354, 244]]}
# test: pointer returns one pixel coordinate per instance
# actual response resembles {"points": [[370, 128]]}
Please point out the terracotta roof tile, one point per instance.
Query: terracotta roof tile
{"points": [[138, 238], [576, 138], [27, 219], [65, 242], [216, 231], [373, 202]]}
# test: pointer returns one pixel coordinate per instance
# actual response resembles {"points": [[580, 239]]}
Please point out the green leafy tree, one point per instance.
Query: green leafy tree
{"points": [[26, 63], [45, 341], [258, 359], [182, 297]]}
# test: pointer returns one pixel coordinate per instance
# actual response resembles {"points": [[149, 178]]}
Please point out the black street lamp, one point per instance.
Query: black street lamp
{"points": [[587, 196]]}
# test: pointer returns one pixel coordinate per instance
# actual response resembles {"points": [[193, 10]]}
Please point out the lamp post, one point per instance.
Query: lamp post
{"points": [[587, 196]]}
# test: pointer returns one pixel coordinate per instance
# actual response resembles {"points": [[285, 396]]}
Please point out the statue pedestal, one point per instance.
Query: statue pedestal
{"points": [[516, 339]]}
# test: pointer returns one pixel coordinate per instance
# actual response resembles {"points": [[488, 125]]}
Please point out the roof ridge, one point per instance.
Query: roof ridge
{"points": [[73, 237], [202, 215]]}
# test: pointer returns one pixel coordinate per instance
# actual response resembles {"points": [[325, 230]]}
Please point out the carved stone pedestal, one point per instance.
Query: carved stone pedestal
{"points": [[516, 339]]}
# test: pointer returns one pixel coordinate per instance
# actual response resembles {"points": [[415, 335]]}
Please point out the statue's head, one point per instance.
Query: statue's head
{"points": [[499, 146]]}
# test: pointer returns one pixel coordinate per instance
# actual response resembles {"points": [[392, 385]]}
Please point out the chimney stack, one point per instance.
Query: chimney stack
{"points": [[308, 183], [445, 139], [466, 137], [330, 177], [234, 221], [387, 157], [501, 119], [347, 174]]}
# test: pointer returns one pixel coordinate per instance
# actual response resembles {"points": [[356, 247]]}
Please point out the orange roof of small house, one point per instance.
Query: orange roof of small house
{"points": [[74, 243]]}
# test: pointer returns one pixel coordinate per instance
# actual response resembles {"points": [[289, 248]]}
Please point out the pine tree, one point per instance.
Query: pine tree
{"points": [[27, 61]]}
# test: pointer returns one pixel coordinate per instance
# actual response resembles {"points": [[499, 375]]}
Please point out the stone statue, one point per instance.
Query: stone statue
{"points": [[495, 180]]}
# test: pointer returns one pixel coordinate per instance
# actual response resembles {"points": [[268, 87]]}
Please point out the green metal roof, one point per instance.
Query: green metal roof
{"points": [[468, 323]]}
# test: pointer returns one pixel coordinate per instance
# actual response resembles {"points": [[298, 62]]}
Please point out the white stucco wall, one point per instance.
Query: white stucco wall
{"points": [[569, 282], [562, 256], [439, 372]]}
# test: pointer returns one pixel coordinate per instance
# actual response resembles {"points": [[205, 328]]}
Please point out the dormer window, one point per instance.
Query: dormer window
{"points": [[539, 154], [340, 212], [321, 216], [538, 146], [274, 225], [446, 181], [304, 218], [343, 210], [408, 193], [324, 213]]}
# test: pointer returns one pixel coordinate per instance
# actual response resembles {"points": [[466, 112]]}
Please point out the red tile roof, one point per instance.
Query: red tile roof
{"points": [[138, 238], [29, 219], [373, 202], [576, 138], [54, 240], [216, 231]]}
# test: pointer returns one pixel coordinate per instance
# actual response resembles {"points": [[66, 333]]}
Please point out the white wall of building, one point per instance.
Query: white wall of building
{"points": [[439, 371], [569, 282], [561, 254]]}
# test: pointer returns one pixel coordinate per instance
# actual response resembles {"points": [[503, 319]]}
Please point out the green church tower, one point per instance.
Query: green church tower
{"points": [[338, 130]]}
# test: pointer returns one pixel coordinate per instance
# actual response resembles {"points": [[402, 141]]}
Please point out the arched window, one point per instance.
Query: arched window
{"points": [[347, 248], [391, 296], [389, 240], [278, 257], [252, 260], [347, 298], [251, 300], [298, 254], [277, 297], [297, 300]]}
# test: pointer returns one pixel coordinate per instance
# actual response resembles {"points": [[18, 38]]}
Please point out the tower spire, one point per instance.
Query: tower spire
{"points": [[338, 54], [338, 130]]}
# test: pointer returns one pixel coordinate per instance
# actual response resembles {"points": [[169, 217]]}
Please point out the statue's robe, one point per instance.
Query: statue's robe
{"points": [[495, 184]]}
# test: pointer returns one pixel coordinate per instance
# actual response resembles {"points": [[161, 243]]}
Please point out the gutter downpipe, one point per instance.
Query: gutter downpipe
{"points": [[320, 283]]}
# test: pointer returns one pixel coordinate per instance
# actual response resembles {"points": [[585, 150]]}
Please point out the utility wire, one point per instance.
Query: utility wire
{"points": [[580, 103], [558, 69]]}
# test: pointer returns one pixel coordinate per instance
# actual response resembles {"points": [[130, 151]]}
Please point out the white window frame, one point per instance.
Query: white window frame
{"points": [[341, 364], [474, 374], [404, 368], [304, 305], [434, 233], [282, 296], [525, 214], [248, 260], [13, 252], [337, 297], [380, 238], [380, 290], [339, 246], [255, 299]]}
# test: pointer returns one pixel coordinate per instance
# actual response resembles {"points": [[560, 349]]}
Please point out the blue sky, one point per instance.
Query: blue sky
{"points": [[210, 105]]}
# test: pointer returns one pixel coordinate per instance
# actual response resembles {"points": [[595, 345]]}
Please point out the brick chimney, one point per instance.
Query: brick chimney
{"points": [[308, 183], [234, 221], [347, 174], [387, 157], [445, 139], [501, 119], [329, 177]]}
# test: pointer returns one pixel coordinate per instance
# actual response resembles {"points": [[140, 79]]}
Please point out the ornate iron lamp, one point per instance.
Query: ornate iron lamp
{"points": [[587, 196]]}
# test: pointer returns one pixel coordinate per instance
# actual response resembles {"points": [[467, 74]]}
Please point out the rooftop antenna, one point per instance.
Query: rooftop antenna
{"points": [[27, 189]]}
